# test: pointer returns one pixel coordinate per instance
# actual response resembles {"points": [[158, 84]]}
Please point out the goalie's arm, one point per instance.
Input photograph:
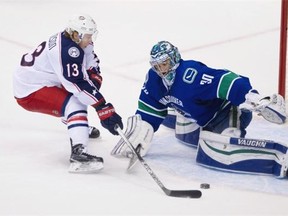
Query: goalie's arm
{"points": [[151, 110]]}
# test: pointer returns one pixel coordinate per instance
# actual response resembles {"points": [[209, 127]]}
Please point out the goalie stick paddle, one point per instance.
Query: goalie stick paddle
{"points": [[173, 193]]}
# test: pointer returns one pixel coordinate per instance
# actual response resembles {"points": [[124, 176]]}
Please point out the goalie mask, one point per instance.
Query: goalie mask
{"points": [[164, 60], [83, 24]]}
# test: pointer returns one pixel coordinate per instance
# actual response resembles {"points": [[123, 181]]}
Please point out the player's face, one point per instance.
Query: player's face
{"points": [[163, 68], [86, 40]]}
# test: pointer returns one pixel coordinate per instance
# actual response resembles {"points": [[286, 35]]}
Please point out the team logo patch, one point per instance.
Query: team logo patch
{"points": [[74, 52], [189, 75]]}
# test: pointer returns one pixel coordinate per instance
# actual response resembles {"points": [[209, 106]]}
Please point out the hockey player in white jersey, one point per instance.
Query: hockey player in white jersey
{"points": [[61, 77]]}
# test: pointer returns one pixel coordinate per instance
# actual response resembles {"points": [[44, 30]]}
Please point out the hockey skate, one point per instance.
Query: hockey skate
{"points": [[82, 162], [93, 132]]}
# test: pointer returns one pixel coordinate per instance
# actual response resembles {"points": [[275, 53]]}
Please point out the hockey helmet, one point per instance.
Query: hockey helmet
{"points": [[83, 24], [165, 52]]}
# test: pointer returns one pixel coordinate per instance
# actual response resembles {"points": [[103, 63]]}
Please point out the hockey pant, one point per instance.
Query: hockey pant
{"points": [[188, 131], [56, 101]]}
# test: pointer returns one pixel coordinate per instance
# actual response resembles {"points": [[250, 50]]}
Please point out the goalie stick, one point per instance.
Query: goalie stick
{"points": [[173, 193], [259, 143]]}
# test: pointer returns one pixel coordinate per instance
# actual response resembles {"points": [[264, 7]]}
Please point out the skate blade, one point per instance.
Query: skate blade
{"points": [[77, 167]]}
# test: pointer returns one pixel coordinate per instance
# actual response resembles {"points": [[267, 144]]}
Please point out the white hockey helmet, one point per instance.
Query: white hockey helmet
{"points": [[83, 24]]}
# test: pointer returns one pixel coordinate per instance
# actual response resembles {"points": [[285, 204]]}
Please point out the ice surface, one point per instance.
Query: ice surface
{"points": [[242, 36]]}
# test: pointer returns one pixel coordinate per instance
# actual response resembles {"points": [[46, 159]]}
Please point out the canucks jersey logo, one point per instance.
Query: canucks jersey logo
{"points": [[189, 75]]}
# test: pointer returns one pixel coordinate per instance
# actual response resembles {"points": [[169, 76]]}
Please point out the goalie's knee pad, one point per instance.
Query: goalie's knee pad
{"points": [[170, 119], [187, 131]]}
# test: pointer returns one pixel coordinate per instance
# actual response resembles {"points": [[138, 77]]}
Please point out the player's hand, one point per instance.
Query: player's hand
{"points": [[109, 118]]}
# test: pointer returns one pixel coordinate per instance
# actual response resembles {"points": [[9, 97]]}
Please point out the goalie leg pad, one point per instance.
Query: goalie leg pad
{"points": [[170, 119], [283, 172], [138, 132], [231, 158]]}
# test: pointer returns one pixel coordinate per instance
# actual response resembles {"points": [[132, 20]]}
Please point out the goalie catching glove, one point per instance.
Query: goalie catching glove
{"points": [[139, 133], [272, 108]]}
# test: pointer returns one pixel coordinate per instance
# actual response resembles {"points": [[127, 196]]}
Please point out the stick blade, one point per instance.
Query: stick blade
{"points": [[184, 193]]}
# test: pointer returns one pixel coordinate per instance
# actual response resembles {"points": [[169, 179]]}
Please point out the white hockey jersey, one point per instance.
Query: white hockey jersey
{"points": [[58, 62]]}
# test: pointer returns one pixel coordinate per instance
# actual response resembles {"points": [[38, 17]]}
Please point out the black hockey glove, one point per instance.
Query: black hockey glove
{"points": [[95, 77], [109, 118]]}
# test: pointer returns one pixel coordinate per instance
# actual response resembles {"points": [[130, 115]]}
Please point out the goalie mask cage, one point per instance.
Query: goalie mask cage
{"points": [[283, 61]]}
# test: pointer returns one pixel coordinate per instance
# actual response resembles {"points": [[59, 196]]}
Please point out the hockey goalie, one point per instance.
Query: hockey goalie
{"points": [[210, 110]]}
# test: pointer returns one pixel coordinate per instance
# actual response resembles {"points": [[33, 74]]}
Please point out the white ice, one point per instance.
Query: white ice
{"points": [[242, 36]]}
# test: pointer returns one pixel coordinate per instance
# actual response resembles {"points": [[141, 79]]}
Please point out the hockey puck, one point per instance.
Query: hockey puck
{"points": [[205, 186]]}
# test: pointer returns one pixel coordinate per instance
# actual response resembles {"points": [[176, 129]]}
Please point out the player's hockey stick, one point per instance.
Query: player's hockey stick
{"points": [[258, 143], [173, 193]]}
